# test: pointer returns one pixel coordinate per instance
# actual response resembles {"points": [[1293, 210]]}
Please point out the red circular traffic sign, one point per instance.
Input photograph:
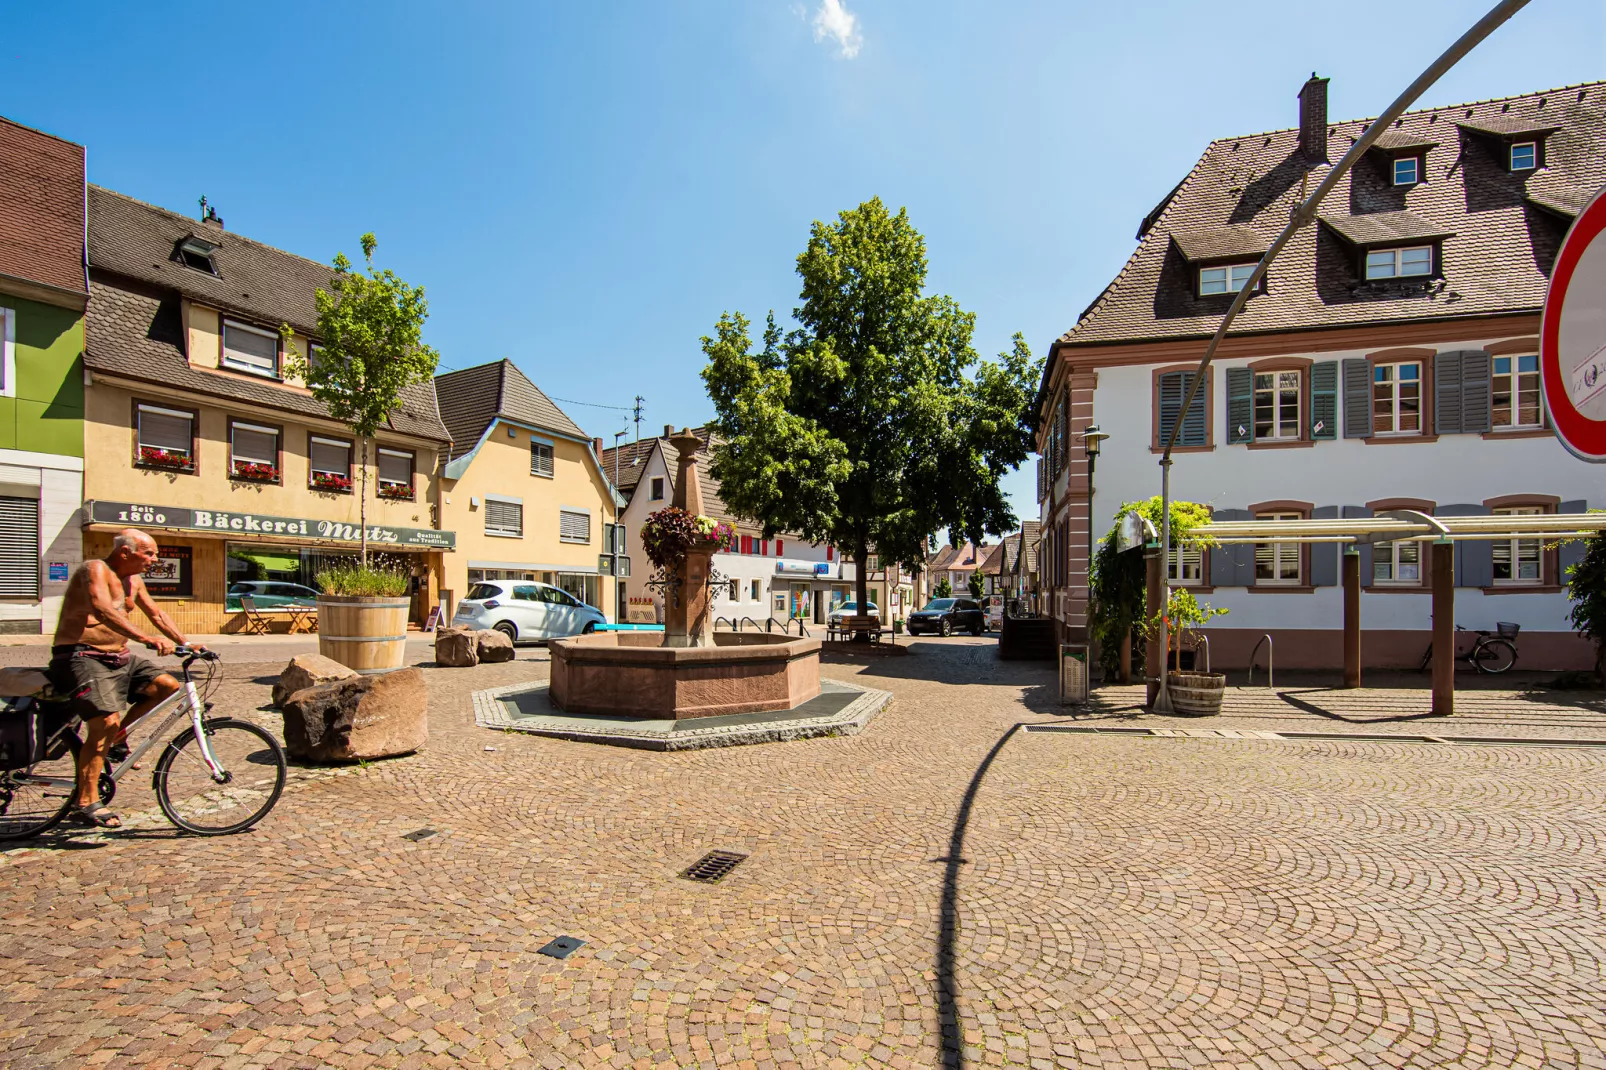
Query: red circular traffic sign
{"points": [[1572, 341]]}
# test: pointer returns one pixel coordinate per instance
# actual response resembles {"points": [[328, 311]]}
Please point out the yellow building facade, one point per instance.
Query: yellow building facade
{"points": [[523, 492]]}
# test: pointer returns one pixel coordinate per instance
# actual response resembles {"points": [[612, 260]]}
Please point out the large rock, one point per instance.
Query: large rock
{"points": [[308, 670], [494, 646], [358, 719], [456, 648]]}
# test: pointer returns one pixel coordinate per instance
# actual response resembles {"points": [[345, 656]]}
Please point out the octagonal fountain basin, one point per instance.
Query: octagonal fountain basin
{"points": [[635, 675]]}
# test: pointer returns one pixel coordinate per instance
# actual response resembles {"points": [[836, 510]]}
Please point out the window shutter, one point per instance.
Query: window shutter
{"points": [[1571, 552], [256, 350], [541, 461], [165, 430], [1477, 403], [1474, 561], [574, 526], [1447, 393], [505, 517], [395, 467], [1240, 405], [780, 547], [1357, 398], [19, 547], [1173, 387], [1324, 555], [330, 457], [1324, 400], [261, 447], [1231, 566], [1359, 512]]}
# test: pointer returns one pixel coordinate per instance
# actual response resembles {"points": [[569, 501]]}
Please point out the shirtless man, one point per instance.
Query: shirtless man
{"points": [[91, 660]]}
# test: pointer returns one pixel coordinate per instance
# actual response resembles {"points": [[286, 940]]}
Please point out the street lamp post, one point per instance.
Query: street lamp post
{"points": [[1092, 439]]}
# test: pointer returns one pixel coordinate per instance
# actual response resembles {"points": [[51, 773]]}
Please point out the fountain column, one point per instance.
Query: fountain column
{"points": [[686, 599]]}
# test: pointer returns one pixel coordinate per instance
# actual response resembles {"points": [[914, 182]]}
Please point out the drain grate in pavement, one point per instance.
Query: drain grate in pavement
{"points": [[713, 867], [418, 834], [562, 947]]}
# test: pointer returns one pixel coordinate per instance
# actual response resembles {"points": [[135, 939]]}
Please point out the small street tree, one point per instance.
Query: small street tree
{"points": [[873, 424], [976, 585], [944, 589], [1586, 587], [369, 350]]}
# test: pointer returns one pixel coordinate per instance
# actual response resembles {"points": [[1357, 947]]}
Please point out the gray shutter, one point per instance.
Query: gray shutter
{"points": [[1173, 387], [505, 517], [1324, 555], [325, 456], [1324, 400], [1232, 566], [1474, 561], [1195, 426], [1477, 401], [1170, 404], [1359, 512], [1571, 552], [1357, 398], [19, 547], [1447, 393], [1240, 405], [574, 526]]}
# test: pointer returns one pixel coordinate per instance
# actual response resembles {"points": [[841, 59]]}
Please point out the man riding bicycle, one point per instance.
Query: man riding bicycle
{"points": [[91, 662]]}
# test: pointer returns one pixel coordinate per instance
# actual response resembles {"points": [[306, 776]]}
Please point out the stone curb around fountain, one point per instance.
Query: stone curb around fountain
{"points": [[836, 718]]}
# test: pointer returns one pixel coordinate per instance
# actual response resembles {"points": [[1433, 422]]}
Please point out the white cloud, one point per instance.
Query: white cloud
{"points": [[835, 21]]}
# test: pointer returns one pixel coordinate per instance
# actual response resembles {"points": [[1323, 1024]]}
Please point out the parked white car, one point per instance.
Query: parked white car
{"points": [[851, 609], [525, 610]]}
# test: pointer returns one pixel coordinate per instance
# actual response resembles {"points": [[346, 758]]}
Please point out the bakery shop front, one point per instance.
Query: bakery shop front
{"points": [[203, 553]]}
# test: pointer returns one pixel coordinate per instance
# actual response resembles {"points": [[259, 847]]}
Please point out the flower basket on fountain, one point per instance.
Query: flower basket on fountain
{"points": [[670, 534]]}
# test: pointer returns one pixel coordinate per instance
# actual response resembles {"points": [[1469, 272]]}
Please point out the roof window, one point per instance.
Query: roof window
{"points": [[1407, 171], [196, 252], [1226, 279], [1416, 260], [1524, 155]]}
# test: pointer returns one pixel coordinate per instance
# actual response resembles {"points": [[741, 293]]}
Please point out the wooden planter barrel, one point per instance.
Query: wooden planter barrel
{"points": [[367, 633], [1196, 693]]}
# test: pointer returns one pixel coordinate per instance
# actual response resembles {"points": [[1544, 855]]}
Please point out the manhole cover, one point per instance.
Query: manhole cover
{"points": [[713, 866], [562, 947], [418, 834]]}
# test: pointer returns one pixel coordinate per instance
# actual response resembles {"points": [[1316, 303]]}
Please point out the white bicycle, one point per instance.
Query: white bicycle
{"points": [[219, 775]]}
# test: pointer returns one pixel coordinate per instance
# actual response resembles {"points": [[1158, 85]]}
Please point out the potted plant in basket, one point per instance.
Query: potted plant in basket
{"points": [[1191, 692], [362, 616]]}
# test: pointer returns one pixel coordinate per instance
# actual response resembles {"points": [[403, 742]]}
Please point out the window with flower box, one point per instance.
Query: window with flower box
{"points": [[395, 475], [329, 464], [253, 452], [165, 438]]}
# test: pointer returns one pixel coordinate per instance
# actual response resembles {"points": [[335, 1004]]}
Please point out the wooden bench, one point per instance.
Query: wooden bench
{"points": [[849, 628]]}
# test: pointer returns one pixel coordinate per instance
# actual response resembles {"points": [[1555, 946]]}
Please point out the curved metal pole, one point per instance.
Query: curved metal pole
{"points": [[1302, 215]]}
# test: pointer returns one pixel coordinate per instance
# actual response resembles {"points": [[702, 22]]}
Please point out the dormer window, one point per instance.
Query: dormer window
{"points": [[250, 349], [1407, 171], [1415, 260], [1524, 155], [196, 252], [1227, 279]]}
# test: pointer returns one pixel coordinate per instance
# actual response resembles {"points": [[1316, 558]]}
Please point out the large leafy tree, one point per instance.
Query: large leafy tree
{"points": [[873, 424], [369, 350]]}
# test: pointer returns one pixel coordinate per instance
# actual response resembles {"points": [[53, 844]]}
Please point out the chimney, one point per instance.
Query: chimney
{"points": [[596, 448], [669, 430], [1313, 118]]}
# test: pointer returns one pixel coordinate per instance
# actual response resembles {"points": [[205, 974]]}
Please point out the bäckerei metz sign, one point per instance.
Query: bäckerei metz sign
{"points": [[230, 523]]}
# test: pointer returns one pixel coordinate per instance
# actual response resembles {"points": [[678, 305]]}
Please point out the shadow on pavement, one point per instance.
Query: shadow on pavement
{"points": [[1293, 699]]}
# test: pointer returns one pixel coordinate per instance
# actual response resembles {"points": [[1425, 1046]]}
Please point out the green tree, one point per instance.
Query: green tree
{"points": [[1586, 587], [872, 424], [944, 589], [369, 350], [1120, 582], [977, 586]]}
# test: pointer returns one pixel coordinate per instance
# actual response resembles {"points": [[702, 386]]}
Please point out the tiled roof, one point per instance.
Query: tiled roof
{"points": [[993, 561], [1508, 124], [472, 397], [1496, 262], [713, 504], [1217, 242], [629, 454], [1564, 201], [938, 561], [136, 331], [253, 281], [1396, 139], [1385, 228], [42, 227]]}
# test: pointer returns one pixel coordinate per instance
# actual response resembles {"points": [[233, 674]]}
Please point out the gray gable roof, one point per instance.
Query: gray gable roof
{"points": [[470, 399]]}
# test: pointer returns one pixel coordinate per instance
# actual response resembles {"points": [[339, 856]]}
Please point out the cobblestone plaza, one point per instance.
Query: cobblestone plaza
{"points": [[943, 889]]}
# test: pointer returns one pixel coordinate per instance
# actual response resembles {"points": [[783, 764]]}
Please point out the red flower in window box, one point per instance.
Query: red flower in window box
{"points": [[154, 457], [395, 492], [256, 471], [331, 481]]}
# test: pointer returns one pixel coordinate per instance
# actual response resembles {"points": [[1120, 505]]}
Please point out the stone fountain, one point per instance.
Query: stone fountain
{"points": [[688, 670]]}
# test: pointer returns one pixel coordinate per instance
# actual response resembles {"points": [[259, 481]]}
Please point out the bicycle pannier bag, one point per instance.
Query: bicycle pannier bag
{"points": [[29, 734]]}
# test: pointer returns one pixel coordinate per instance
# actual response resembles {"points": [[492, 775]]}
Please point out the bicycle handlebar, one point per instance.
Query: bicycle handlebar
{"points": [[189, 653]]}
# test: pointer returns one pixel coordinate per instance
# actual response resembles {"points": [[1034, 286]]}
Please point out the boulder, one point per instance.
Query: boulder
{"points": [[494, 646], [308, 670], [456, 648], [358, 719]]}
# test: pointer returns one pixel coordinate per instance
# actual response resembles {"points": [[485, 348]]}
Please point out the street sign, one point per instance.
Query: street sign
{"points": [[1134, 532], [1572, 342]]}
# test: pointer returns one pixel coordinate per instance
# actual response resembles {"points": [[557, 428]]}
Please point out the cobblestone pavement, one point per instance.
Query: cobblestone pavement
{"points": [[941, 890]]}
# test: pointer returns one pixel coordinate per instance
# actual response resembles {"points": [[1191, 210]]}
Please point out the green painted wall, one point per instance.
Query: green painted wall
{"points": [[47, 415]]}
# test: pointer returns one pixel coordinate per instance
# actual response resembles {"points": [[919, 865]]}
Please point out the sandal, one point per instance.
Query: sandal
{"points": [[97, 815]]}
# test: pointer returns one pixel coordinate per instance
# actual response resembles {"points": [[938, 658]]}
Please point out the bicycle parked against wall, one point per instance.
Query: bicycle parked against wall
{"points": [[1491, 652], [219, 775]]}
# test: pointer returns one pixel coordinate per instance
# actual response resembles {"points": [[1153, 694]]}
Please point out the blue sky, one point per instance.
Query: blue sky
{"points": [[585, 187]]}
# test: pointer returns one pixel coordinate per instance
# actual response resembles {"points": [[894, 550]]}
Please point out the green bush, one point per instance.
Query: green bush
{"points": [[360, 580], [1120, 580], [1586, 587]]}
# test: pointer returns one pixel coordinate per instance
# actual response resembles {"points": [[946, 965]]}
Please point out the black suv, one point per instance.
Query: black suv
{"points": [[945, 616]]}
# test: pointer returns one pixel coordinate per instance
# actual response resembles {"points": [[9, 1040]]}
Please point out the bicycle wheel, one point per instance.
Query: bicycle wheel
{"points": [[1494, 656], [32, 800], [253, 776]]}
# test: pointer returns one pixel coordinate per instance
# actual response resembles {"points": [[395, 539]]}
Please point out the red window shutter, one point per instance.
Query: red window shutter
{"points": [[780, 547], [830, 553], [763, 547]]}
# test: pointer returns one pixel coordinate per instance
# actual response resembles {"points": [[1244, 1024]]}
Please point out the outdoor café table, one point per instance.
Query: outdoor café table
{"points": [[302, 618]]}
